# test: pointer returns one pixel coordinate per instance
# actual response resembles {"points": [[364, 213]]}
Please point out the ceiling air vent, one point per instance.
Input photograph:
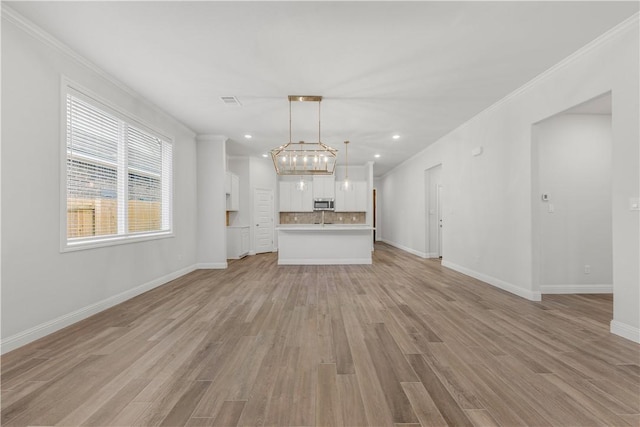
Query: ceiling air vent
{"points": [[231, 101]]}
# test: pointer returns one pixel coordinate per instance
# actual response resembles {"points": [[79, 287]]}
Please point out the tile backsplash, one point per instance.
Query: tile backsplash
{"points": [[329, 217]]}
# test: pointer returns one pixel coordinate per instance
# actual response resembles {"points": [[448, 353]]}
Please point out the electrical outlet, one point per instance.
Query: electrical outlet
{"points": [[587, 269]]}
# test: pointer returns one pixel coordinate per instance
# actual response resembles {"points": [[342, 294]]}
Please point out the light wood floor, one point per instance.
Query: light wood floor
{"points": [[402, 342]]}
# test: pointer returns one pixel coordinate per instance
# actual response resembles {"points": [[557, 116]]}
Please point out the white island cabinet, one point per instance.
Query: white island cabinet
{"points": [[324, 244]]}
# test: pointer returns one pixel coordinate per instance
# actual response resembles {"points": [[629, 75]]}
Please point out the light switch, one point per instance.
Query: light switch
{"points": [[551, 208], [634, 204]]}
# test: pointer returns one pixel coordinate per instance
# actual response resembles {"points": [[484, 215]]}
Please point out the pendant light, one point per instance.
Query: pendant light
{"points": [[304, 158], [346, 184]]}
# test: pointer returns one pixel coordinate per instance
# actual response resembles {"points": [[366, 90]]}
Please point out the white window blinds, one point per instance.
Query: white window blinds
{"points": [[118, 176]]}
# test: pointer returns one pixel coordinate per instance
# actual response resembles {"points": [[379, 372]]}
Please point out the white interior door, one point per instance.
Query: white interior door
{"points": [[263, 219]]}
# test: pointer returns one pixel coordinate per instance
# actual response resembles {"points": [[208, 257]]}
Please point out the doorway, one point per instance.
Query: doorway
{"points": [[572, 200], [439, 219], [375, 211], [263, 220], [433, 212]]}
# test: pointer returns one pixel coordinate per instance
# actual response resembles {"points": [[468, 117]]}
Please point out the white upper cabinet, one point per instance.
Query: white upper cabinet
{"points": [[285, 196], [232, 190], [351, 201], [294, 200], [324, 187]]}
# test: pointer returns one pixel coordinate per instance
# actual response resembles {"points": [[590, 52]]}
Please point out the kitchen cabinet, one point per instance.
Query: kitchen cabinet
{"points": [[324, 187], [237, 241], [294, 200], [351, 201], [232, 190]]}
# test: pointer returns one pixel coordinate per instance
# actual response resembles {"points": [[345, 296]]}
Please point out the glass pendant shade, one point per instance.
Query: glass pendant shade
{"points": [[346, 184], [301, 185]]}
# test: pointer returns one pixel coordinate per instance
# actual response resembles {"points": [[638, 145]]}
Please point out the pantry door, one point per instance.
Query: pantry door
{"points": [[263, 219]]}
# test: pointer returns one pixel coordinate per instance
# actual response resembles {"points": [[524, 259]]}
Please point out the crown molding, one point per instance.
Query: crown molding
{"points": [[12, 16]]}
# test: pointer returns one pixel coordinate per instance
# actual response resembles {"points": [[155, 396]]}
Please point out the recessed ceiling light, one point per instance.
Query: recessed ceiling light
{"points": [[396, 136], [265, 155], [376, 155], [248, 136]]}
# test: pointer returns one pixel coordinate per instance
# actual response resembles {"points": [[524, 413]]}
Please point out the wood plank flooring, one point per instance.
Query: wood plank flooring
{"points": [[404, 342]]}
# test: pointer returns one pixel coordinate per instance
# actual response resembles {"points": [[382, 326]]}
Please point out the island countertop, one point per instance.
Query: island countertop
{"points": [[321, 227]]}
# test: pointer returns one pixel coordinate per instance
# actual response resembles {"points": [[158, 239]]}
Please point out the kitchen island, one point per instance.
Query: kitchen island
{"points": [[316, 244]]}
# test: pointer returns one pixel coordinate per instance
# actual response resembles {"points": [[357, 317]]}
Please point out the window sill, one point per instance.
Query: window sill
{"points": [[113, 241]]}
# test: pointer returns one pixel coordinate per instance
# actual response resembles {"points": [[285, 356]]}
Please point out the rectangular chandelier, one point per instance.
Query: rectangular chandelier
{"points": [[304, 158]]}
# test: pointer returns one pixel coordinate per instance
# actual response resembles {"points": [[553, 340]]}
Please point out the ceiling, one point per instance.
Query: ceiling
{"points": [[413, 69]]}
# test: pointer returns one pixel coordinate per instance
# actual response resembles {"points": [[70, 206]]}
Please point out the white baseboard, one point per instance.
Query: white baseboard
{"points": [[337, 261], [509, 287], [432, 255], [405, 248], [211, 265], [576, 289], [44, 329], [625, 331]]}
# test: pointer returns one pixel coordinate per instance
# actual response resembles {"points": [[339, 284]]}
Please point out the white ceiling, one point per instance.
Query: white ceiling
{"points": [[416, 69]]}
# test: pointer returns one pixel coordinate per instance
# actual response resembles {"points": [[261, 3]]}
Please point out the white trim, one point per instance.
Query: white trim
{"points": [[46, 328], [404, 248], [506, 286], [114, 240], [619, 29], [625, 331], [38, 33], [432, 255], [336, 261], [211, 265], [576, 289], [70, 87]]}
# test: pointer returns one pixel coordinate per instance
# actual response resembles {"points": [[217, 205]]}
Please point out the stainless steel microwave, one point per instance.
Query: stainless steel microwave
{"points": [[323, 205]]}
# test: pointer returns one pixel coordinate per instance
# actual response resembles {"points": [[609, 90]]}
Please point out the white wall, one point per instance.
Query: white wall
{"points": [[43, 289], [488, 198], [574, 225], [212, 202]]}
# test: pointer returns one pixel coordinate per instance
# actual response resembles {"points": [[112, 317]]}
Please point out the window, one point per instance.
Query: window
{"points": [[118, 177]]}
